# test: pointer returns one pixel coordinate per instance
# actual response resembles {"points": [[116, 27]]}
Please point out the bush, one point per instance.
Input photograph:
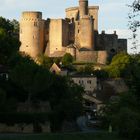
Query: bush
{"points": [[67, 59], [129, 123]]}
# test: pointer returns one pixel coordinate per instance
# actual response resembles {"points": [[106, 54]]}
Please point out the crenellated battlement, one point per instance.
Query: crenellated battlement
{"points": [[31, 15]]}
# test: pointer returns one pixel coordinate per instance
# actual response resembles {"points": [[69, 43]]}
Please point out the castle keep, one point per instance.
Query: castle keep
{"points": [[77, 34]]}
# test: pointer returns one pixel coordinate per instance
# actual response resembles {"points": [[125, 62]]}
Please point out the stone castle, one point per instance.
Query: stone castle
{"points": [[77, 34]]}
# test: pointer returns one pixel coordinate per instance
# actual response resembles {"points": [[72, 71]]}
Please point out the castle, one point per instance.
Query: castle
{"points": [[77, 34]]}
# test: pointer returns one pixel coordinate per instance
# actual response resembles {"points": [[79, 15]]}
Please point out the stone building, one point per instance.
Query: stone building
{"points": [[77, 34], [88, 82]]}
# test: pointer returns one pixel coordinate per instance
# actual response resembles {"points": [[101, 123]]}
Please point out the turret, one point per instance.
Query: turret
{"points": [[32, 33], [86, 35], [83, 7]]}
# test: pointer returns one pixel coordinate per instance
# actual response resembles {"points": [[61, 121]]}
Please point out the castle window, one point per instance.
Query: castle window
{"points": [[35, 23], [78, 30], [27, 46]]}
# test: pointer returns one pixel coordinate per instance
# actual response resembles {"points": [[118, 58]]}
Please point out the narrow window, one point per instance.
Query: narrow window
{"points": [[35, 23]]}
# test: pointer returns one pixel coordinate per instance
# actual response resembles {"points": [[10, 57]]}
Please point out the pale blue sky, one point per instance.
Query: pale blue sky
{"points": [[112, 13]]}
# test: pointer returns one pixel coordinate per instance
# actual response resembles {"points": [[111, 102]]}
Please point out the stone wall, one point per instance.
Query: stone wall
{"points": [[38, 107], [25, 128], [106, 89], [92, 56], [58, 35], [65, 33], [93, 11], [86, 56], [55, 35], [102, 57], [72, 13], [122, 45], [72, 51]]}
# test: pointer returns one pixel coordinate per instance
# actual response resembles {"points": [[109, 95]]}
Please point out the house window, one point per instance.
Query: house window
{"points": [[4, 76], [81, 82]]}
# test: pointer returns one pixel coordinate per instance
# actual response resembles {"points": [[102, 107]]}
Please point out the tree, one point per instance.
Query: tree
{"points": [[124, 113], [134, 22], [132, 76], [66, 101], [45, 61], [119, 65], [15, 24], [33, 78], [67, 59], [6, 24], [9, 44], [124, 116]]}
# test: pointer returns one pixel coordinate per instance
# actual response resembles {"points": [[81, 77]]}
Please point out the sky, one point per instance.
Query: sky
{"points": [[113, 14]]}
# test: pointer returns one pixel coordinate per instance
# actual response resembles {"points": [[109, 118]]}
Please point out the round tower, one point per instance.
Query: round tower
{"points": [[86, 38], [32, 33], [83, 7]]}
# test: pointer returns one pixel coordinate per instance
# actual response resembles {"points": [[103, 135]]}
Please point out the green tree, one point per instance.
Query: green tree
{"points": [[132, 76], [66, 101], [15, 24], [123, 114], [31, 77], [6, 24], [45, 61], [9, 44], [67, 59], [119, 65], [134, 22]]}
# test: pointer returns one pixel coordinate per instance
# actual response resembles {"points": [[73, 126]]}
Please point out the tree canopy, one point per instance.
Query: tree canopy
{"points": [[9, 43]]}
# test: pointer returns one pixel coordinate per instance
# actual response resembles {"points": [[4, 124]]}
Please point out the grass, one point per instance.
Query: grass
{"points": [[72, 136]]}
